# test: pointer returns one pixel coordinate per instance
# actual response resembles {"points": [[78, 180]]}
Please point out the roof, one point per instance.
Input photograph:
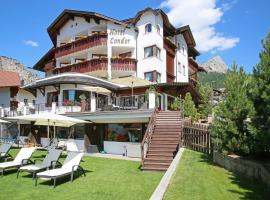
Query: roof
{"points": [[74, 78], [131, 81], [9, 79], [46, 58], [53, 29]]}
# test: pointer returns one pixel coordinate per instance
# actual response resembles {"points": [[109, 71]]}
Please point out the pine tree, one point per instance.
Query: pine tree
{"points": [[190, 109], [229, 130], [261, 98], [205, 108]]}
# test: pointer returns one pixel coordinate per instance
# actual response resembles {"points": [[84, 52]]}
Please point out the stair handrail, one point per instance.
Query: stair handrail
{"points": [[148, 135]]}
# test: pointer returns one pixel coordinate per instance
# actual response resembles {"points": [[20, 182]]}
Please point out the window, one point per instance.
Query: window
{"points": [[75, 96], [127, 101], [149, 76], [183, 50], [158, 29], [148, 52], [25, 102], [148, 28], [184, 70], [179, 67], [153, 76], [151, 51], [51, 97], [158, 78]]}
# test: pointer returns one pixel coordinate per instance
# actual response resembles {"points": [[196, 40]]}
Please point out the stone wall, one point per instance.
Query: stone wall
{"points": [[247, 168], [10, 64]]}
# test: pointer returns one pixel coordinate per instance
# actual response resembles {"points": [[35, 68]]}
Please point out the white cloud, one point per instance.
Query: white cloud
{"points": [[201, 15], [30, 43]]}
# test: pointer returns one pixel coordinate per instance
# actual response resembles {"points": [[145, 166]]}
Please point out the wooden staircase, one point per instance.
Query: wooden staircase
{"points": [[162, 144]]}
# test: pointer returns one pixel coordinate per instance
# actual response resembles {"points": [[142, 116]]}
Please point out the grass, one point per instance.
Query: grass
{"points": [[105, 179], [197, 178]]}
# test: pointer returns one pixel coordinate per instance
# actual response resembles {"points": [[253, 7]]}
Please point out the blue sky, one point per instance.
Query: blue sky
{"points": [[232, 29]]}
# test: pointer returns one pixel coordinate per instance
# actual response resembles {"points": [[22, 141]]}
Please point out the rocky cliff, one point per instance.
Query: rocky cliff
{"points": [[215, 64], [10, 64]]}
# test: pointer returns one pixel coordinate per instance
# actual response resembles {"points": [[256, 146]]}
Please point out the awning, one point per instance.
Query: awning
{"points": [[96, 89]]}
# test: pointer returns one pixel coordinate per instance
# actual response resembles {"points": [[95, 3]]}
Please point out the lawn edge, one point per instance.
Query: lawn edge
{"points": [[161, 189]]}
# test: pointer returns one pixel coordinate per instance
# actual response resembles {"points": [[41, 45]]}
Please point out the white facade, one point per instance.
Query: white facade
{"points": [[5, 97], [122, 39]]}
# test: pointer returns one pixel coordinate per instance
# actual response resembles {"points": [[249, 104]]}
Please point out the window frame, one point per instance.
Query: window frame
{"points": [[146, 28]]}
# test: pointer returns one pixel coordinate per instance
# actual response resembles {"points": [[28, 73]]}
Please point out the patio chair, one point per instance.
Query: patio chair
{"points": [[4, 149], [22, 158], [70, 166], [49, 161]]}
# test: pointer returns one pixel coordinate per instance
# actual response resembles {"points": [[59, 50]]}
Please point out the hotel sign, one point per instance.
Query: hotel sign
{"points": [[118, 37]]}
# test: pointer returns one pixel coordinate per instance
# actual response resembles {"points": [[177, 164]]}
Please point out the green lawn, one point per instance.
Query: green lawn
{"points": [[197, 178], [105, 179]]}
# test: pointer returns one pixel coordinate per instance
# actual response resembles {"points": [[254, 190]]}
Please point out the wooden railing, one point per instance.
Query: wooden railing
{"points": [[95, 39], [118, 64], [50, 65], [85, 66], [124, 64], [196, 136], [148, 135]]}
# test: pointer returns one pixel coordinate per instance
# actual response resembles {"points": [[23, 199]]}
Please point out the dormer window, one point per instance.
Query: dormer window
{"points": [[148, 28]]}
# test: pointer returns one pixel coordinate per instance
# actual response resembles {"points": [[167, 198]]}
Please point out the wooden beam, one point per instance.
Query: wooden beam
{"points": [[87, 19], [42, 90]]}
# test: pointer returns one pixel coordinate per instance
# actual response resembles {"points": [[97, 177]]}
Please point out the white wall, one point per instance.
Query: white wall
{"points": [[149, 39], [182, 57], [5, 97], [77, 26], [23, 94]]}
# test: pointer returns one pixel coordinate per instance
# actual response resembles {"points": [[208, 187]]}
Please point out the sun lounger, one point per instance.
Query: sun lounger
{"points": [[49, 161], [22, 158], [70, 166], [4, 149]]}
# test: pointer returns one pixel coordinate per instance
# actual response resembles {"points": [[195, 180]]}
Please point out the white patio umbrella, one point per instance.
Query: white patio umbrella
{"points": [[50, 119], [2, 122]]}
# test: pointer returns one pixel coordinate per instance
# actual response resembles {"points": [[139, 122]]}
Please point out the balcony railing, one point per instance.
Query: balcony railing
{"points": [[95, 39], [124, 64], [50, 65], [96, 64], [85, 66]]}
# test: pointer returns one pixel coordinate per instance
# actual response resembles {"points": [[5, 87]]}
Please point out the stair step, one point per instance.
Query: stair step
{"points": [[163, 139], [170, 142], [154, 168], [158, 164], [161, 152], [160, 156], [159, 159]]}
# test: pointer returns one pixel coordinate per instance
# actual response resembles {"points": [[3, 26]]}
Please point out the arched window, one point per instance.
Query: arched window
{"points": [[158, 29], [148, 28]]}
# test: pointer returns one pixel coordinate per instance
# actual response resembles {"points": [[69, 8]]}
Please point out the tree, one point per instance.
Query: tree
{"points": [[230, 130], [205, 108], [190, 109], [261, 98]]}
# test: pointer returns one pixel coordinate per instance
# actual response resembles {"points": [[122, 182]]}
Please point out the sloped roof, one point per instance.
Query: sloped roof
{"points": [[9, 79], [70, 14]]}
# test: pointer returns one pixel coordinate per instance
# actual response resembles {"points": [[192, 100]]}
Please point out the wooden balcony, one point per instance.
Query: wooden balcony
{"points": [[93, 40], [99, 64], [85, 66], [123, 64], [50, 65]]}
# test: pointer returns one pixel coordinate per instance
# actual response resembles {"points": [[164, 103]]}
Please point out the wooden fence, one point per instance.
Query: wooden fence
{"points": [[196, 136]]}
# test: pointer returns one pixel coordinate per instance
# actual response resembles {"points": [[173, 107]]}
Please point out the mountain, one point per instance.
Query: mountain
{"points": [[10, 64], [215, 64]]}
